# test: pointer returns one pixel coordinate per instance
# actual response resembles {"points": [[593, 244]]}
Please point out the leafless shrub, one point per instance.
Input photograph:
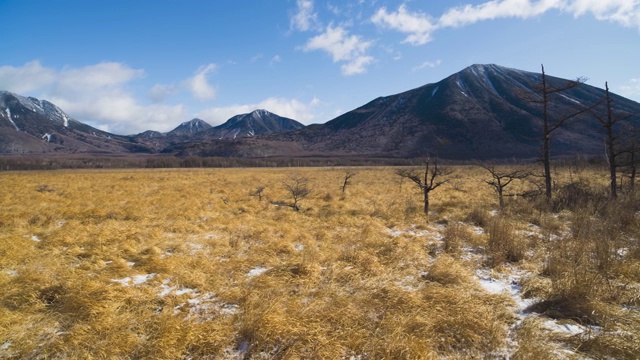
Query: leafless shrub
{"points": [[347, 176], [258, 192], [298, 188]]}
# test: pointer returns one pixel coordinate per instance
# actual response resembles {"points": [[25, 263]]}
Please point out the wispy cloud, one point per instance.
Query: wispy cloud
{"points": [[470, 14], [357, 65], [426, 64], [418, 26], [275, 59], [351, 50], [631, 89], [97, 94], [199, 84], [623, 12], [305, 18], [161, 92]]}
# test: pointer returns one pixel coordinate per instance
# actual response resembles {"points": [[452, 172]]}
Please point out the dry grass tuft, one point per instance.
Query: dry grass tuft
{"points": [[504, 244], [445, 270]]}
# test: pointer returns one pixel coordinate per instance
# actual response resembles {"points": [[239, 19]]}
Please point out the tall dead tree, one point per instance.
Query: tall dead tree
{"points": [[618, 141], [551, 123], [427, 181], [629, 154]]}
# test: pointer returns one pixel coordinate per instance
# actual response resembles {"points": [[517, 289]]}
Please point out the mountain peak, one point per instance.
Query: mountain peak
{"points": [[190, 127], [21, 103]]}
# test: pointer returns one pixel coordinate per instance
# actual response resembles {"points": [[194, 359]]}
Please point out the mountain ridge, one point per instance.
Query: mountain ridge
{"points": [[480, 112]]}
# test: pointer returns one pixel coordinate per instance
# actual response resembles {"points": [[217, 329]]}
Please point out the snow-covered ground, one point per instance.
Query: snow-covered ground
{"points": [[506, 281]]}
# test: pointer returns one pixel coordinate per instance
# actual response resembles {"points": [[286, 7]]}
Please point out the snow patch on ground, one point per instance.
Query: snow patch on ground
{"points": [[477, 230], [199, 306], [135, 280], [569, 329], [434, 232], [259, 270], [11, 272], [195, 247]]}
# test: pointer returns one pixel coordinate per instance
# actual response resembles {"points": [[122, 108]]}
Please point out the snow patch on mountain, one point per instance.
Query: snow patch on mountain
{"points": [[461, 86], [570, 99], [42, 107], [8, 112]]}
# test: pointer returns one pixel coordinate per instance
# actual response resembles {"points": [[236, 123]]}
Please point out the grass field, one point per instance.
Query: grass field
{"points": [[169, 264]]}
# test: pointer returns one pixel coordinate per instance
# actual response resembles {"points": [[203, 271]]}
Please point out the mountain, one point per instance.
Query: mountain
{"points": [[29, 125], [258, 122], [190, 128], [481, 112], [240, 127]]}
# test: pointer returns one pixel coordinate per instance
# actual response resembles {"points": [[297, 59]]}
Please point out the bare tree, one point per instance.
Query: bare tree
{"points": [[629, 154], [258, 192], [550, 123], [427, 181], [615, 136], [347, 176], [298, 188], [503, 177]]}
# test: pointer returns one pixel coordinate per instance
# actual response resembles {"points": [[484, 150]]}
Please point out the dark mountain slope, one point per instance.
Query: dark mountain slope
{"points": [[189, 128], [484, 111], [29, 125], [258, 122]]}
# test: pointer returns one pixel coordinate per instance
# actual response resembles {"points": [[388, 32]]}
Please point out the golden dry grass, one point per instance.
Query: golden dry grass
{"points": [[168, 264]]}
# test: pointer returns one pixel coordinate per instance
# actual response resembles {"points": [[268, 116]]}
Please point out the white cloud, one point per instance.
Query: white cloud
{"points": [[305, 17], [102, 75], [623, 12], [26, 78], [291, 108], [419, 26], [96, 94], [632, 89], [199, 83], [427, 64], [470, 14], [350, 49], [275, 59], [356, 66], [256, 57], [119, 112], [160, 92]]}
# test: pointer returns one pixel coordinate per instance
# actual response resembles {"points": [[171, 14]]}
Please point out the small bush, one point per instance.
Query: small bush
{"points": [[454, 236], [447, 271], [504, 245]]}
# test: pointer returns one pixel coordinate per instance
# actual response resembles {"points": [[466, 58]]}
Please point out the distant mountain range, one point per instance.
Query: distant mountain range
{"points": [[481, 112], [32, 126]]}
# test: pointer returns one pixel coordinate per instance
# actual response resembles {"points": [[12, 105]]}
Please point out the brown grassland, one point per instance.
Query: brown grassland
{"points": [[185, 263]]}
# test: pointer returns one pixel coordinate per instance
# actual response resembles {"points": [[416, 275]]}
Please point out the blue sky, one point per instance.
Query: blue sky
{"points": [[127, 66]]}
